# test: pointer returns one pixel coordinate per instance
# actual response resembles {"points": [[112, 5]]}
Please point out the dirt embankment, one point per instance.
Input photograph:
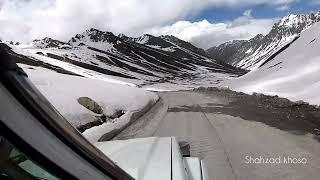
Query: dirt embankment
{"points": [[295, 117]]}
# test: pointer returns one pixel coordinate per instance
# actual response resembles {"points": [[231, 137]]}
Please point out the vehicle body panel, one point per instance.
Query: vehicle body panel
{"points": [[17, 118], [142, 158], [156, 158]]}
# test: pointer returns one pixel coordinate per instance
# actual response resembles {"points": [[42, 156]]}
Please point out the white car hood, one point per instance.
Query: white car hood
{"points": [[146, 158]]}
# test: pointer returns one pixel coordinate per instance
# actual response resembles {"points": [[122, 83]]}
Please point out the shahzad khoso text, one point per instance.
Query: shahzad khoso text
{"points": [[275, 160]]}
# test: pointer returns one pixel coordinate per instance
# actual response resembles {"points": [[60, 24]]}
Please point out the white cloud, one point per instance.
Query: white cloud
{"points": [[24, 20], [205, 34]]}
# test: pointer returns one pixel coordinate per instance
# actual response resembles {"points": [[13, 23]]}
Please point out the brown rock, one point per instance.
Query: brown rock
{"points": [[90, 104]]}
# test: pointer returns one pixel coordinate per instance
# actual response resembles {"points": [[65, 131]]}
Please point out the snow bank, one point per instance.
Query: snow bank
{"points": [[63, 92], [294, 73]]}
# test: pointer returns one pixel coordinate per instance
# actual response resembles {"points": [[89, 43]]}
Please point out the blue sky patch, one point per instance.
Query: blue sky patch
{"points": [[224, 14]]}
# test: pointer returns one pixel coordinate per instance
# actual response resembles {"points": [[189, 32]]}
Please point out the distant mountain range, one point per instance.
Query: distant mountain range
{"points": [[250, 54], [158, 59], [147, 58]]}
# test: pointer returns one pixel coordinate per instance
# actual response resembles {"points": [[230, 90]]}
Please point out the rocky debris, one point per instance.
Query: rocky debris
{"points": [[117, 114], [317, 131], [135, 117], [101, 117], [82, 128], [275, 111]]}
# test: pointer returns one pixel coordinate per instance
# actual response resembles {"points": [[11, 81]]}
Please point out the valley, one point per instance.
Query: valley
{"points": [[166, 63], [160, 90]]}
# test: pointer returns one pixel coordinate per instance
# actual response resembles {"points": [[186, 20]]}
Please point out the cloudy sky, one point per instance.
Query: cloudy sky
{"points": [[205, 23]]}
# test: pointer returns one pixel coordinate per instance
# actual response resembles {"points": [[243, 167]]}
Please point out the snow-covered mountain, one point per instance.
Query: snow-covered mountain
{"points": [[250, 54], [58, 68], [293, 73], [48, 43], [146, 58], [168, 43]]}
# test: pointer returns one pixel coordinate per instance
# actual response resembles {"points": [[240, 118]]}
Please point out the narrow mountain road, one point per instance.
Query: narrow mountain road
{"points": [[239, 137]]}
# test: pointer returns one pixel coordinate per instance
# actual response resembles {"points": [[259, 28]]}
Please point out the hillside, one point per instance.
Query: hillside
{"points": [[293, 73], [250, 54]]}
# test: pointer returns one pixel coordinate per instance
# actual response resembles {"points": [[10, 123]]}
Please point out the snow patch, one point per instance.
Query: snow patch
{"points": [[248, 51], [63, 92]]}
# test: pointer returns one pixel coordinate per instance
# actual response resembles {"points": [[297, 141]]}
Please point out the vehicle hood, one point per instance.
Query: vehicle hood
{"points": [[146, 158]]}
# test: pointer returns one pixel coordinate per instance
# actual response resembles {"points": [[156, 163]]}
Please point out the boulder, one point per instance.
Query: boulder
{"points": [[90, 104]]}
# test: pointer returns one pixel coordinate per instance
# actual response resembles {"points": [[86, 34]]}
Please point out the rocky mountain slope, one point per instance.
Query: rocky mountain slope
{"points": [[293, 73], [146, 58], [250, 54]]}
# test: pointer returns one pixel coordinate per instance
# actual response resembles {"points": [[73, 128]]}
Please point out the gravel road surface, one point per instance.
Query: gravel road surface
{"points": [[239, 137]]}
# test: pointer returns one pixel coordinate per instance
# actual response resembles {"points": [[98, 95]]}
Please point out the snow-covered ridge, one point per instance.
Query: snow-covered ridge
{"points": [[45, 43], [142, 60], [95, 38], [293, 20], [250, 53], [142, 39], [293, 73]]}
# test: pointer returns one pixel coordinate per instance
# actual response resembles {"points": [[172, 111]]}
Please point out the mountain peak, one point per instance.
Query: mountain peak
{"points": [[257, 37], [92, 37], [122, 35], [49, 43], [144, 39], [93, 30], [170, 38], [294, 20]]}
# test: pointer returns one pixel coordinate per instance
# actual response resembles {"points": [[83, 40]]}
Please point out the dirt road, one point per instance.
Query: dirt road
{"points": [[239, 137]]}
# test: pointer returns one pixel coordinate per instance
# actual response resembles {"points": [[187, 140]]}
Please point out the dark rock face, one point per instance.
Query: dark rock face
{"points": [[184, 44], [226, 50], [249, 53]]}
